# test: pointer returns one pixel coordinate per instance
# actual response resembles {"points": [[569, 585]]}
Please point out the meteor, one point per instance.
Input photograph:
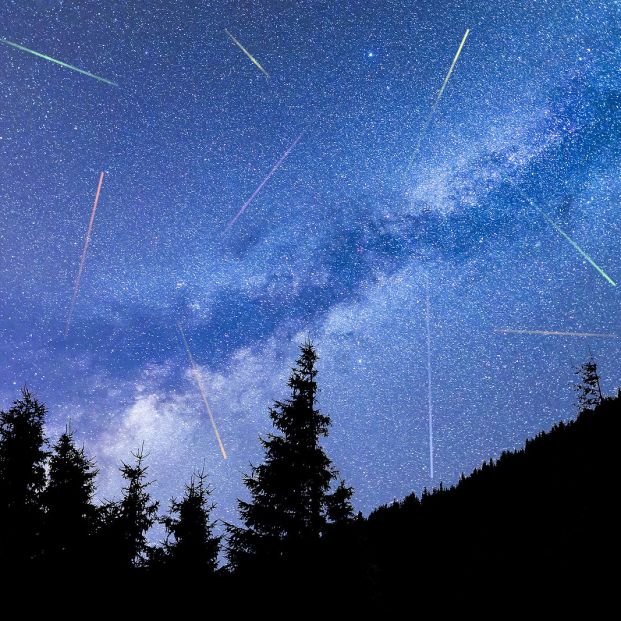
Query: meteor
{"points": [[557, 228], [429, 400], [439, 96], [247, 53], [58, 62], [201, 389], [450, 71], [87, 241], [554, 333], [274, 169]]}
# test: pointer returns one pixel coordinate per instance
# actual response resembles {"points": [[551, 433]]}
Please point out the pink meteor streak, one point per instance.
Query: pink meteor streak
{"points": [[274, 169], [87, 241]]}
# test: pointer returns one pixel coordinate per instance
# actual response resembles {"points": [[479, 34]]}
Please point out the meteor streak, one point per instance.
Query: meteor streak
{"points": [[274, 169], [201, 389], [423, 131], [248, 54], [87, 241], [429, 401], [554, 333], [577, 248], [450, 71], [58, 62]]}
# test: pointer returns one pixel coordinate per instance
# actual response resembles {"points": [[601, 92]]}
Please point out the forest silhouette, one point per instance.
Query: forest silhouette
{"points": [[546, 511]]}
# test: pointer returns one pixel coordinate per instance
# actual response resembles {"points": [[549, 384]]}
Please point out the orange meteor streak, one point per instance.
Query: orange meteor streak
{"points": [[87, 241], [201, 390], [554, 333]]}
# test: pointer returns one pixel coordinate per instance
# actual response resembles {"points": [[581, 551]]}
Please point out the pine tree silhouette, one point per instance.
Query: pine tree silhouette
{"points": [[289, 491], [338, 504], [70, 515], [191, 548], [589, 392], [123, 535], [22, 479]]}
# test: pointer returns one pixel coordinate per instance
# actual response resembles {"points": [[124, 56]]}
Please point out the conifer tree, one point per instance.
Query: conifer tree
{"points": [[289, 491], [191, 547], [125, 523], [338, 504], [70, 515], [589, 392], [22, 478]]}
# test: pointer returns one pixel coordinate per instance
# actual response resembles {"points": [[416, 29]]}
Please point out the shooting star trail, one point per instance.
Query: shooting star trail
{"points": [[557, 228], [247, 53], [432, 112], [87, 240], [201, 389], [554, 333], [274, 169], [450, 71], [429, 400], [58, 62]]}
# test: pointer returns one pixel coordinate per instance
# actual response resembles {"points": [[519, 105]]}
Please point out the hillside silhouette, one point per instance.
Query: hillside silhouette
{"points": [[546, 514]]}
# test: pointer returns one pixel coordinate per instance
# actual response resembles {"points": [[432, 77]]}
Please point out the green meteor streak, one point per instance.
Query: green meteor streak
{"points": [[578, 249], [58, 62], [254, 61]]}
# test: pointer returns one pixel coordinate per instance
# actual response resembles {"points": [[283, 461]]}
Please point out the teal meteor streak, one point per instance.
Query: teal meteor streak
{"points": [[58, 62], [578, 249]]}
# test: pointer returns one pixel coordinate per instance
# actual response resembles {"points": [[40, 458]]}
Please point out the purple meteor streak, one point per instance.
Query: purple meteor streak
{"points": [[274, 169]]}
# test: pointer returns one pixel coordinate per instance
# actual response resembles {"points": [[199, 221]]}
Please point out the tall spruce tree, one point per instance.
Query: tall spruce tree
{"points": [[122, 536], [70, 515], [191, 548], [588, 390], [290, 490], [22, 478]]}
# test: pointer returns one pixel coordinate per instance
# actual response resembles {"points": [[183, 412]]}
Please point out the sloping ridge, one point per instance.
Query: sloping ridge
{"points": [[546, 512]]}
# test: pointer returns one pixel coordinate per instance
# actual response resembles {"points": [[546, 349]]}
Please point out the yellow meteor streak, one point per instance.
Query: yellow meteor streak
{"points": [[248, 54], [432, 112], [201, 389], [450, 71], [554, 333], [58, 62]]}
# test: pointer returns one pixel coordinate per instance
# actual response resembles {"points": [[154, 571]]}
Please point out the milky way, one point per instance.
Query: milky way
{"points": [[335, 246]]}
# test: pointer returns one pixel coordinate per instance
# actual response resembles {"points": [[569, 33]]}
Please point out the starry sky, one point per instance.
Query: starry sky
{"points": [[336, 246]]}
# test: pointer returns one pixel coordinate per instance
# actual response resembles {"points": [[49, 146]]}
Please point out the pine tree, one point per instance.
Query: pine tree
{"points": [[191, 547], [339, 507], [70, 515], [589, 392], [125, 523], [22, 479], [289, 491]]}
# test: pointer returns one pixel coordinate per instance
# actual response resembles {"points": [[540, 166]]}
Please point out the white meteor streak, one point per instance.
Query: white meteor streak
{"points": [[199, 383], [429, 399]]}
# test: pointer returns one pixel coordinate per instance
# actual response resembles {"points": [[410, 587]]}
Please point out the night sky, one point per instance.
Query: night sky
{"points": [[336, 245]]}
